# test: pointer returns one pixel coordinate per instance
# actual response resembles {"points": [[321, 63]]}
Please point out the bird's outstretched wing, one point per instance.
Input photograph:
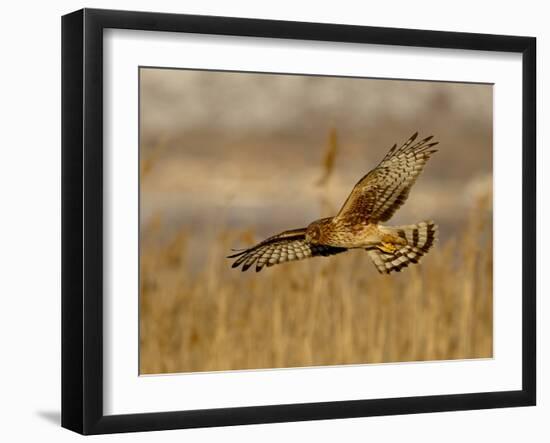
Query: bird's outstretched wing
{"points": [[283, 247], [383, 190]]}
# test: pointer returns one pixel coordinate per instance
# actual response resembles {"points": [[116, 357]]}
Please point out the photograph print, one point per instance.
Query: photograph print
{"points": [[303, 221]]}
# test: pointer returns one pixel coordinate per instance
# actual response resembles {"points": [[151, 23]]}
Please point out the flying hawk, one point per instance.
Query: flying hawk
{"points": [[373, 200]]}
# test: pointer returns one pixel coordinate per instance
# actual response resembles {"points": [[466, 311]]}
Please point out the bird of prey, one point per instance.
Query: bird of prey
{"points": [[373, 200]]}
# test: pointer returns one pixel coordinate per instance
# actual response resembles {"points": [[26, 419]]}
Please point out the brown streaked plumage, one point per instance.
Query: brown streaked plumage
{"points": [[374, 199]]}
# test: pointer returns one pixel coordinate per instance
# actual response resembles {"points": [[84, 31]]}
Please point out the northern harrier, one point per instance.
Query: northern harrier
{"points": [[374, 199]]}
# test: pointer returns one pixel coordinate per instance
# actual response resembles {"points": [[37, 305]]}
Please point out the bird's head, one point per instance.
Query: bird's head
{"points": [[313, 233]]}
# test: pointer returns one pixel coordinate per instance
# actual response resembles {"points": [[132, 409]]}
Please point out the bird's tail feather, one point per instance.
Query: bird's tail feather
{"points": [[420, 238]]}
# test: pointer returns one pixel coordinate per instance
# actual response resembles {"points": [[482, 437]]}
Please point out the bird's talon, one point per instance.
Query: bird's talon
{"points": [[388, 248]]}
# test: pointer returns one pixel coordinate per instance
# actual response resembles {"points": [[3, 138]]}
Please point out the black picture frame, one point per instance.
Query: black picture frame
{"points": [[82, 220]]}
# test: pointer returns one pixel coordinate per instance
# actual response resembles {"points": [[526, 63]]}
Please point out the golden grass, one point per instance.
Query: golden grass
{"points": [[323, 311], [329, 158]]}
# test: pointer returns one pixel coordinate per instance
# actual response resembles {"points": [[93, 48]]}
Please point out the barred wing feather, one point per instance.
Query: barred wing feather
{"points": [[377, 196], [284, 247]]}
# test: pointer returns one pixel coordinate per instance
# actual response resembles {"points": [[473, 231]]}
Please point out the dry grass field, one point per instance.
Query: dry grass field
{"points": [[324, 311]]}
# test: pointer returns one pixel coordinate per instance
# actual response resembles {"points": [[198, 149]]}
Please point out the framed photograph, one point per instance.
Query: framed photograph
{"points": [[268, 221]]}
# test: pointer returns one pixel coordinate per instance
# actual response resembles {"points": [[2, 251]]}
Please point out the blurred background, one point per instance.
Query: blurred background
{"points": [[228, 159]]}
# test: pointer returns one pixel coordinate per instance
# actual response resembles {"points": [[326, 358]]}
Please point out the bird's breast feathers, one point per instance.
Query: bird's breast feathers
{"points": [[356, 235]]}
